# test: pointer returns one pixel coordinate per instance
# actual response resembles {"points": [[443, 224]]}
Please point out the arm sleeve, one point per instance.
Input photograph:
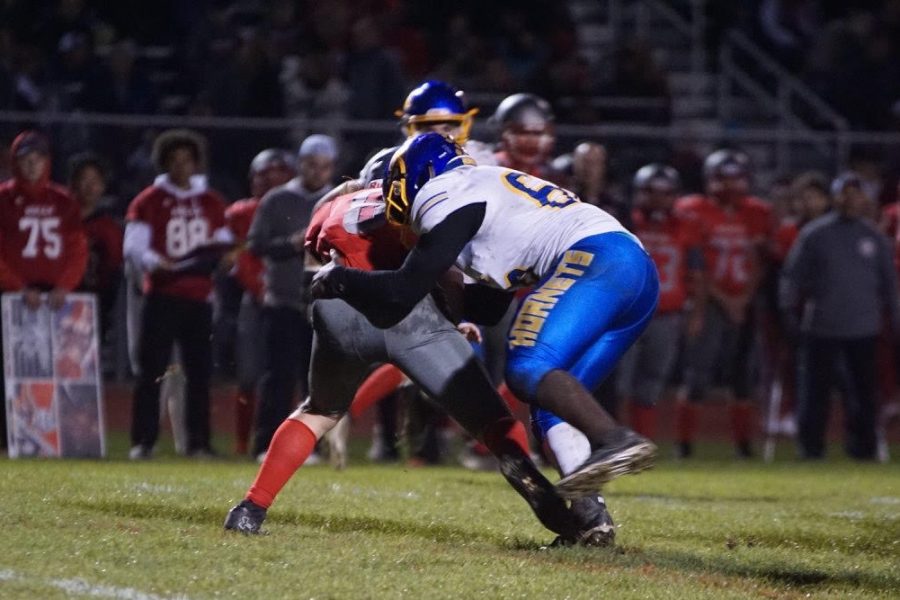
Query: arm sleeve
{"points": [[136, 247], [261, 241], [485, 305], [385, 297]]}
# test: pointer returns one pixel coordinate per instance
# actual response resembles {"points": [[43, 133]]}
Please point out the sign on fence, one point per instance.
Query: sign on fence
{"points": [[51, 367]]}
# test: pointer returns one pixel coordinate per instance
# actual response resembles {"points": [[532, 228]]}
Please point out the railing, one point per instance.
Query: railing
{"points": [[745, 71], [347, 130], [785, 96]]}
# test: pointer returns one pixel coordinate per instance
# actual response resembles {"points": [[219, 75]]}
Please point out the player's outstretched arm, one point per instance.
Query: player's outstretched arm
{"points": [[386, 297]]}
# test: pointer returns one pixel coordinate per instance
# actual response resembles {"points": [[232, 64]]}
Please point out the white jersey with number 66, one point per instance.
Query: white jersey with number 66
{"points": [[528, 224]]}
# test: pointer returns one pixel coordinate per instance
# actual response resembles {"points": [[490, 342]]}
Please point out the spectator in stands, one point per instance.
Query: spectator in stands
{"points": [[373, 75], [130, 90], [312, 87], [80, 81], [42, 244], [277, 236], [787, 28], [636, 74], [248, 85], [87, 181], [840, 272], [175, 216]]}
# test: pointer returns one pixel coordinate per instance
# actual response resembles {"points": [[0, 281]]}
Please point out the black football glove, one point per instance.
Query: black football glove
{"points": [[328, 283]]}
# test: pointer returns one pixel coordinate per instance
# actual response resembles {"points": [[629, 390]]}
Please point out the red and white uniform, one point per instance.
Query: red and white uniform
{"points": [[167, 222], [669, 239], [249, 268], [731, 238], [354, 226], [42, 242]]}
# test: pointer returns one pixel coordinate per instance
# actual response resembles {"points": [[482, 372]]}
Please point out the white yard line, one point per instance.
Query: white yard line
{"points": [[80, 587]]}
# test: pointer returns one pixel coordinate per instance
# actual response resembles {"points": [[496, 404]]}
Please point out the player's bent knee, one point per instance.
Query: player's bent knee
{"points": [[524, 374], [318, 424]]}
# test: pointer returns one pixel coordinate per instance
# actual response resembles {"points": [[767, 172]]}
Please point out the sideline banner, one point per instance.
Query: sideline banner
{"points": [[51, 366]]}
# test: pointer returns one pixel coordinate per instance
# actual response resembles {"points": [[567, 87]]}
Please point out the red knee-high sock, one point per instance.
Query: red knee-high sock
{"points": [[244, 405], [643, 420], [685, 422], [291, 445], [512, 401], [742, 421], [382, 381], [506, 435]]}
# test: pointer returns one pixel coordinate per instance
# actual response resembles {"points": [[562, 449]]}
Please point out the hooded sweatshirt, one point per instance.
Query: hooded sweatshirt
{"points": [[42, 242], [168, 222]]}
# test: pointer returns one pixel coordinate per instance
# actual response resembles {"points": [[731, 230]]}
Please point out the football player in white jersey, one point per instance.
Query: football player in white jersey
{"points": [[595, 290]]}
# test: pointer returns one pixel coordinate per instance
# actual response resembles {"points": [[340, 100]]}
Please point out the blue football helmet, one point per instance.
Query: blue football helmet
{"points": [[414, 163], [436, 102]]}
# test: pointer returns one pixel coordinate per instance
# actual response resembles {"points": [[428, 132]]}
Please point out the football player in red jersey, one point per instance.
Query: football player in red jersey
{"points": [[42, 242], [527, 134], [675, 243], [270, 168], [353, 230], [175, 216], [736, 228], [87, 180]]}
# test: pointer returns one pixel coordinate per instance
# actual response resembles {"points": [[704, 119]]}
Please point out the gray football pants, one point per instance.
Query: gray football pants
{"points": [[424, 345], [646, 367]]}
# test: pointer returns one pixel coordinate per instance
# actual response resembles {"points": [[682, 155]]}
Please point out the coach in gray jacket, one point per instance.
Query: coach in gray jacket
{"points": [[837, 286], [276, 235]]}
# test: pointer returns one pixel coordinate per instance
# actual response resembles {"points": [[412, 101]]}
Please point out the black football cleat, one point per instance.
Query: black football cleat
{"points": [[246, 517], [548, 506], [631, 454], [597, 527]]}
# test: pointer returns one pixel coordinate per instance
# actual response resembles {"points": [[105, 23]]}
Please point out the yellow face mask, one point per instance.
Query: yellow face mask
{"points": [[395, 198], [425, 123]]}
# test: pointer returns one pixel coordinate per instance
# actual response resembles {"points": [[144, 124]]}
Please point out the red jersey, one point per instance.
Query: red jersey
{"points": [[890, 224], [675, 243], [104, 234], [178, 223], [783, 239], [731, 237], [354, 225], [543, 171], [249, 268], [42, 242]]}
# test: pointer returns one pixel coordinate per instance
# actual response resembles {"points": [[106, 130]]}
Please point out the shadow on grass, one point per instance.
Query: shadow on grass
{"points": [[695, 499], [768, 570], [214, 517], [792, 576]]}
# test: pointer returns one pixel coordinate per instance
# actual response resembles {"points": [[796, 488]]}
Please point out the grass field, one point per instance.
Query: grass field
{"points": [[705, 529]]}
